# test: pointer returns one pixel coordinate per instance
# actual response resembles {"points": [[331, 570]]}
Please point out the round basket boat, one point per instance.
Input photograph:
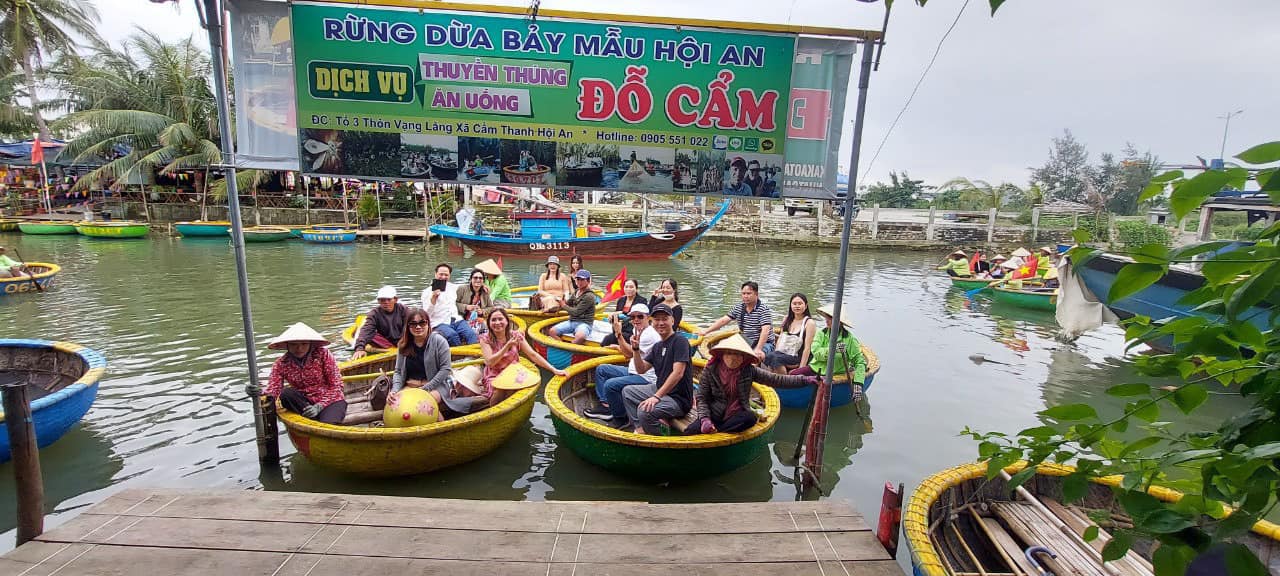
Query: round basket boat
{"points": [[8, 225], [203, 228], [561, 352], [520, 305], [114, 229], [514, 175], [62, 379], [1032, 298], [329, 235], [349, 336], [968, 283], [946, 498], [47, 227], [841, 392], [361, 446], [645, 457], [267, 234], [42, 273]]}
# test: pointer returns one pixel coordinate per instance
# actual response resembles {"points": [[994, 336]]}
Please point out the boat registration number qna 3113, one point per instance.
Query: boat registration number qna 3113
{"points": [[548, 245]]}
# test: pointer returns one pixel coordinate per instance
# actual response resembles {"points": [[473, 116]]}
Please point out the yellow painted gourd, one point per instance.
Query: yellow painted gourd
{"points": [[411, 407]]}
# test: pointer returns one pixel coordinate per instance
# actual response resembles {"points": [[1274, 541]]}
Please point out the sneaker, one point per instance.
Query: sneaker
{"points": [[598, 414]]}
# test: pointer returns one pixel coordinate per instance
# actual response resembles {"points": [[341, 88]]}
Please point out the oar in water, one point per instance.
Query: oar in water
{"points": [[975, 291], [980, 359], [26, 268]]}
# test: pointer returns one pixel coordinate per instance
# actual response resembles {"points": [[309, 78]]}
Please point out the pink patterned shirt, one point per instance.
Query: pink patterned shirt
{"points": [[317, 377]]}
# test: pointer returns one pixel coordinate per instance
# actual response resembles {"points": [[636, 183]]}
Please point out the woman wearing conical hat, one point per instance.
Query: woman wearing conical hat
{"points": [[849, 360], [314, 387], [499, 287], [724, 390]]}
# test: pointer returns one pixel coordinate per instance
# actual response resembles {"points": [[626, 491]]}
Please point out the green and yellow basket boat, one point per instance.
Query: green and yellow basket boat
{"points": [[968, 283], [113, 229], [361, 446], [47, 227], [1027, 297], [42, 273], [943, 530], [652, 458], [9, 225], [561, 352], [267, 234]]}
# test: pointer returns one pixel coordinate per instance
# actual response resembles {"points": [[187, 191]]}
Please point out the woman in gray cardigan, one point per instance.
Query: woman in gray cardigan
{"points": [[422, 361]]}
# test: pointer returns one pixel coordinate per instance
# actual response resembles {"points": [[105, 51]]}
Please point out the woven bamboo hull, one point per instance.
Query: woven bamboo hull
{"points": [[841, 392], [8, 225], [349, 336], [47, 228], [933, 498], [203, 228], [383, 452], [1026, 299], [42, 274], [266, 234], [113, 230], [654, 458], [562, 352], [68, 394], [968, 283]]}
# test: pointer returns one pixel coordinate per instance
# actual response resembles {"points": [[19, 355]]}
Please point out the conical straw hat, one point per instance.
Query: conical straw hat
{"points": [[845, 319], [736, 343], [1021, 252], [299, 332], [489, 267]]}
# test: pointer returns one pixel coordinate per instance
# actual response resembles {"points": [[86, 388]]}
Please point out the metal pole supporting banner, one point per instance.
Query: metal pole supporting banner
{"points": [[817, 433], [264, 420]]}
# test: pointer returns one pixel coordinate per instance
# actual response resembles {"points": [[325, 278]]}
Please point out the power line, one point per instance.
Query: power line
{"points": [[893, 125]]}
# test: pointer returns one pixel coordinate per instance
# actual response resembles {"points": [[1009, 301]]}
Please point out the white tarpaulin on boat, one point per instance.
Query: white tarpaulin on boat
{"points": [[1079, 310]]}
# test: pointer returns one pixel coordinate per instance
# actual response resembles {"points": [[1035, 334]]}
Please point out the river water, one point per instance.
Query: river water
{"points": [[172, 412]]}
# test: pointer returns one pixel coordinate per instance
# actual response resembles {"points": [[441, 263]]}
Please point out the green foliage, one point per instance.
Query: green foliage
{"points": [[1235, 462], [1132, 234], [367, 207], [900, 192]]}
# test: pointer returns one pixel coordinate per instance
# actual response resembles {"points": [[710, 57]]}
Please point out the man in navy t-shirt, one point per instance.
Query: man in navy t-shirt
{"points": [[672, 396]]}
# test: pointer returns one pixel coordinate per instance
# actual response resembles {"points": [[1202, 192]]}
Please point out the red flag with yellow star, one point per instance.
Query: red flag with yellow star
{"points": [[613, 290], [1026, 270]]}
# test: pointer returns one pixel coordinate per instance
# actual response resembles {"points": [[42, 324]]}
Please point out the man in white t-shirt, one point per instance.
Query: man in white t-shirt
{"points": [[440, 301], [612, 378]]}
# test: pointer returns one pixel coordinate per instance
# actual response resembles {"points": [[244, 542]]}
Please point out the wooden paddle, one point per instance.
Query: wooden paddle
{"points": [[971, 293], [27, 269]]}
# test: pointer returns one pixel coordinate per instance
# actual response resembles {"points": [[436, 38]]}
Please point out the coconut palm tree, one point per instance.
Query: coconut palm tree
{"points": [[33, 29], [980, 193], [143, 107], [16, 120]]}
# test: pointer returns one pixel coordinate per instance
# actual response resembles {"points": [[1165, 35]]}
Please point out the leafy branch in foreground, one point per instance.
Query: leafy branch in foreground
{"points": [[1230, 474]]}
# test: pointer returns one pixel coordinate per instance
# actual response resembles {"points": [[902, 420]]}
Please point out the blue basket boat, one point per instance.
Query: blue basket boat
{"points": [[841, 391], [63, 379], [329, 235]]}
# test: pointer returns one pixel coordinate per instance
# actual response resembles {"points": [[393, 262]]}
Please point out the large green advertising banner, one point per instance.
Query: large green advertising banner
{"points": [[472, 97]]}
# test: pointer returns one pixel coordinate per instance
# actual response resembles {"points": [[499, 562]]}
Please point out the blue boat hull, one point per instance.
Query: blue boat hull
{"points": [[55, 414], [323, 237], [841, 394]]}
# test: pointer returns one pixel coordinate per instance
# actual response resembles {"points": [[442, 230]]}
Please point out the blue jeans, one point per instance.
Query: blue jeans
{"points": [[572, 328], [458, 332], [610, 380]]}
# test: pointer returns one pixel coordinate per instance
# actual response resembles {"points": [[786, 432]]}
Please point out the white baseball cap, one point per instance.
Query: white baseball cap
{"points": [[387, 292], [639, 308]]}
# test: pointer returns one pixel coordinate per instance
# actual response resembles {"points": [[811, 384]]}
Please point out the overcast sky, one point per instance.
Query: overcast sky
{"points": [[1156, 73]]}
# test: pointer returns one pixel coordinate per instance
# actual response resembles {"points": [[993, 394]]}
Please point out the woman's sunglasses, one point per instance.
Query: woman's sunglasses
{"points": [[418, 323]]}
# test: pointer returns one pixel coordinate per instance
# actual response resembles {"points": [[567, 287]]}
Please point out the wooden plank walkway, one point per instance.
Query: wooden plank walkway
{"points": [[151, 532], [392, 233]]}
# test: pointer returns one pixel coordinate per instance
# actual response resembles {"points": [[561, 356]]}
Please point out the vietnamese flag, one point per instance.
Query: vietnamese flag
{"points": [[1026, 270], [973, 262], [613, 290], [37, 152], [499, 263]]}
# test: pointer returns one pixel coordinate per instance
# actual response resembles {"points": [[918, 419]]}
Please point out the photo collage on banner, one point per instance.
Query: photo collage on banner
{"points": [[490, 99]]}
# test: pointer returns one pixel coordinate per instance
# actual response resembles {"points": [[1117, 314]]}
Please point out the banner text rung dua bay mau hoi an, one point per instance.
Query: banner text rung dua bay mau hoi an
{"points": [[491, 98]]}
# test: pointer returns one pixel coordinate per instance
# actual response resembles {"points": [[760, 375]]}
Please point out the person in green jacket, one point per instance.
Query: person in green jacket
{"points": [[9, 268], [957, 265], [1045, 260], [499, 287], [849, 359]]}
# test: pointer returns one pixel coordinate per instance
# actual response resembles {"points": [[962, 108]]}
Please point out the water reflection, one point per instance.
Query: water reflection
{"points": [[78, 464]]}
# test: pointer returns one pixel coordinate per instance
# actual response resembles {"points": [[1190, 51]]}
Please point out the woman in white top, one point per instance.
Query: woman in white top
{"points": [[792, 347]]}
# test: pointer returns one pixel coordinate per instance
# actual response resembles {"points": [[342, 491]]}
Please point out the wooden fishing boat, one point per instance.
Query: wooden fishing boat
{"points": [[8, 225], [542, 233], [113, 229], [1027, 297], [957, 519], [62, 379], [652, 458], [266, 234], [841, 391], [42, 273], [203, 228], [329, 235], [561, 352], [362, 446], [349, 335], [47, 227]]}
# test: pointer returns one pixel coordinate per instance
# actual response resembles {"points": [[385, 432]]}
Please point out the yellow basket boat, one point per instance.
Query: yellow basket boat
{"points": [[562, 352], [349, 336], [371, 450]]}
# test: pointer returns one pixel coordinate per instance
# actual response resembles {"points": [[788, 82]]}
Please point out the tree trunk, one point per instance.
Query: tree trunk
{"points": [[29, 72]]}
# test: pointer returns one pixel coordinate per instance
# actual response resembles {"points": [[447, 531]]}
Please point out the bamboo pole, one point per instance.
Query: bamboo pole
{"points": [[1060, 525], [26, 460]]}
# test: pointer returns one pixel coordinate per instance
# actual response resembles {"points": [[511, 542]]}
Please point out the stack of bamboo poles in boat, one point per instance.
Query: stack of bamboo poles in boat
{"points": [[999, 538]]}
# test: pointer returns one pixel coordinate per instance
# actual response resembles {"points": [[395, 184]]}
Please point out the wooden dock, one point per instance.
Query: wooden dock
{"points": [[154, 532], [392, 233]]}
